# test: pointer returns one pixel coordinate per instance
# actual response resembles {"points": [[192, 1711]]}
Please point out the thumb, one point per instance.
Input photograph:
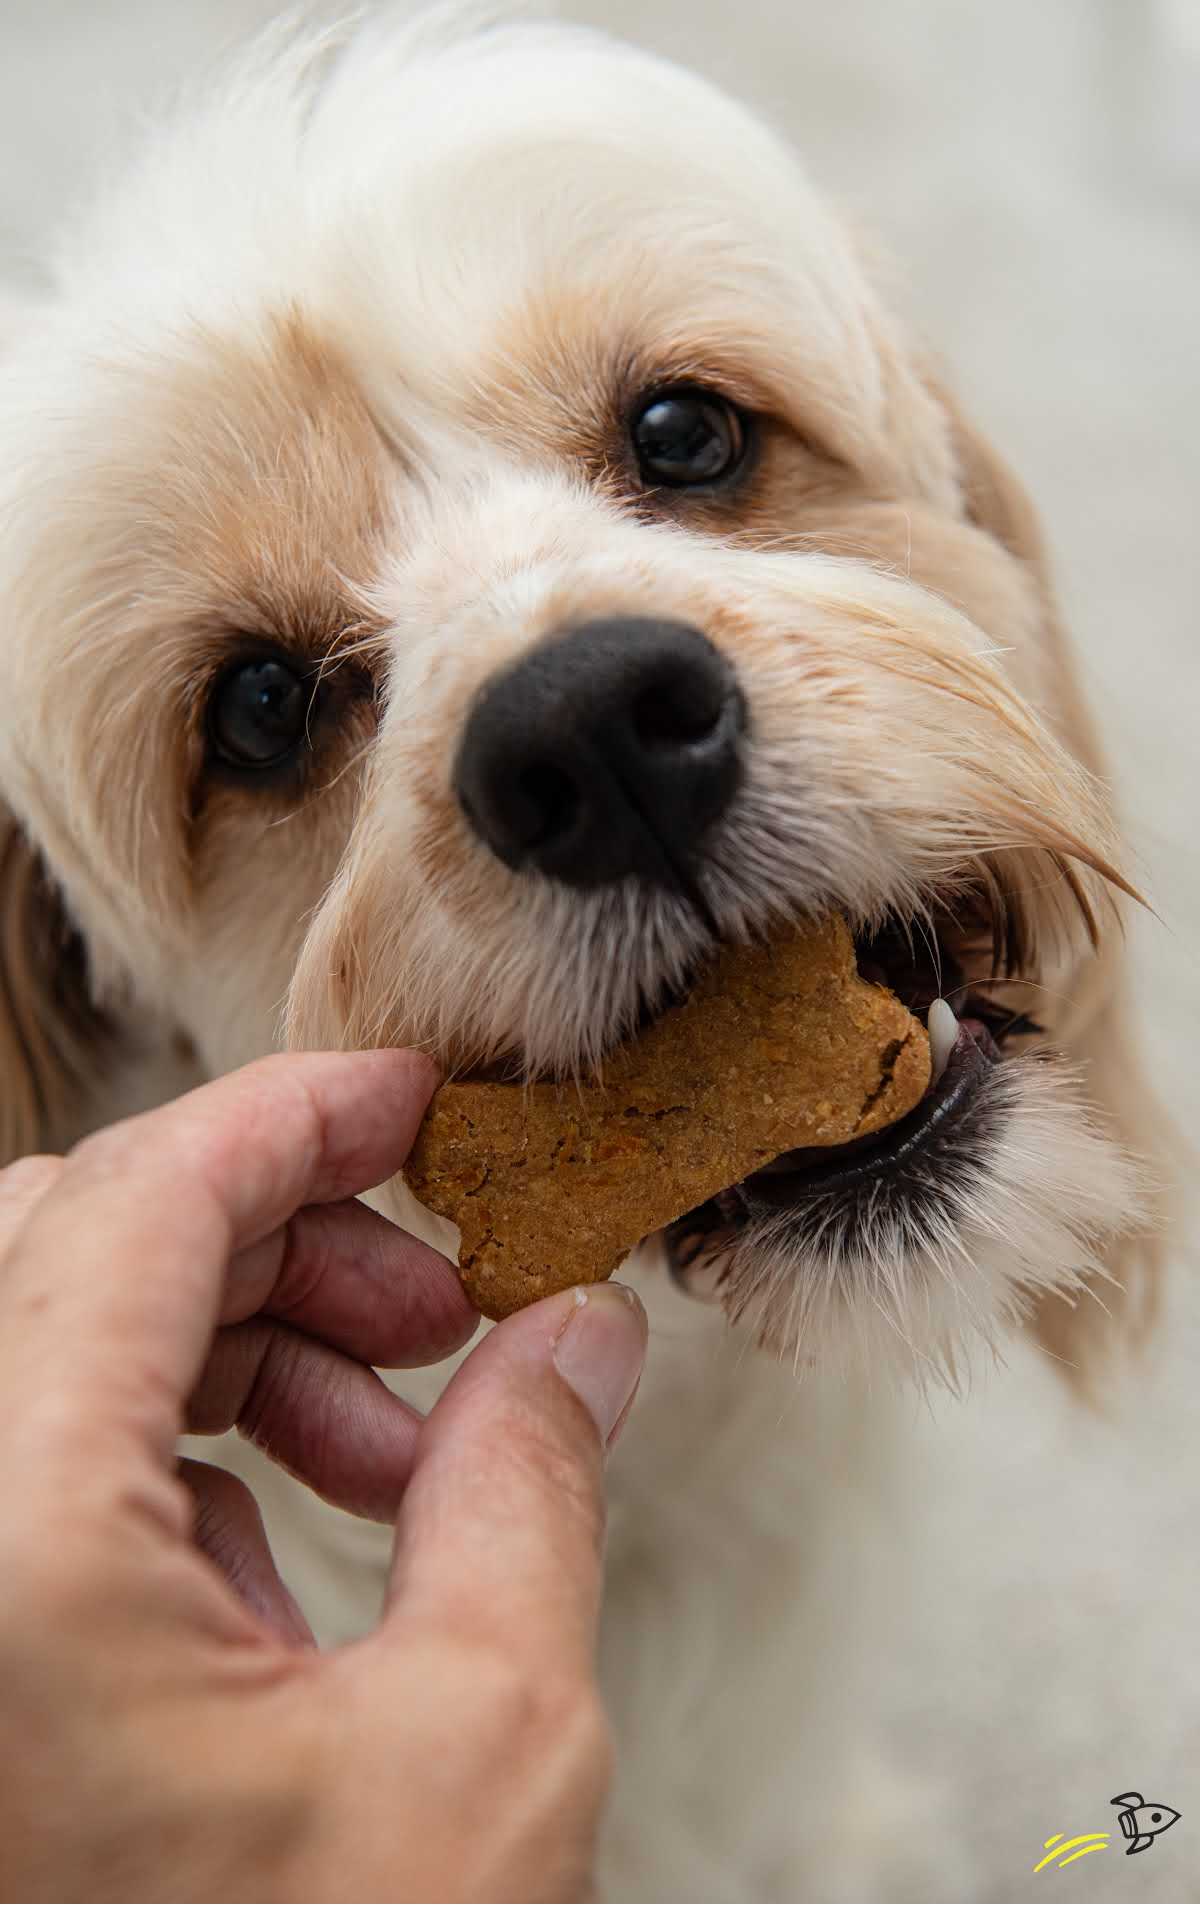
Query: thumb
{"points": [[501, 1530]]}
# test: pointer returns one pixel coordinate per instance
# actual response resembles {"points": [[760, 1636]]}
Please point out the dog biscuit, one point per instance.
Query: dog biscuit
{"points": [[779, 1046]]}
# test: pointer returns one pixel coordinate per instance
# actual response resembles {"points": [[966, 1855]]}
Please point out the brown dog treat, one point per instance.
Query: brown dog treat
{"points": [[778, 1047]]}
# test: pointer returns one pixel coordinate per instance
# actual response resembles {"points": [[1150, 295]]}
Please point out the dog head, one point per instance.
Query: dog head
{"points": [[472, 537]]}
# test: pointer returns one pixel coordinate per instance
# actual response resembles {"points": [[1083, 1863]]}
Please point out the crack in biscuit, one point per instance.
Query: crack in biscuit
{"points": [[888, 1061]]}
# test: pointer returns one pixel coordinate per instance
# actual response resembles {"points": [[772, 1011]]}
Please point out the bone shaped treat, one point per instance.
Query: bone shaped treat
{"points": [[780, 1046]]}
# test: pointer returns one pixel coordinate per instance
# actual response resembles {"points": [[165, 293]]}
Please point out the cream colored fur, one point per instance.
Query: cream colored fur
{"points": [[341, 364]]}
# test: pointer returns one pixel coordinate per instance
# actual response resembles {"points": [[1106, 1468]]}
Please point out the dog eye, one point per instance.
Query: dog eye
{"points": [[687, 436], [258, 713]]}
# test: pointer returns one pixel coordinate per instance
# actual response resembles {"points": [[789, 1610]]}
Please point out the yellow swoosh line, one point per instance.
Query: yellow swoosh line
{"points": [[1097, 1838], [1053, 1840], [1083, 1855]]}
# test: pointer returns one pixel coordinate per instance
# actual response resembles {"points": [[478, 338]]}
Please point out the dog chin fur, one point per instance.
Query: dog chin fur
{"points": [[1026, 1200], [342, 366]]}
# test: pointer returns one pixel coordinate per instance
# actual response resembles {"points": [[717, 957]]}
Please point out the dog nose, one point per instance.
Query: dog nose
{"points": [[606, 753]]}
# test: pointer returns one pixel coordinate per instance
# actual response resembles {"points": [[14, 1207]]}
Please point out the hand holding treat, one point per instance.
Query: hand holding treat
{"points": [[779, 1046]]}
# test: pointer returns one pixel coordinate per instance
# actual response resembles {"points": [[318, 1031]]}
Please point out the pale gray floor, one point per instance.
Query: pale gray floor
{"points": [[1034, 169]]}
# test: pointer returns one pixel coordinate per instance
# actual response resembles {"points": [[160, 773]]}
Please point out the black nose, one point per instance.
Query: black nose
{"points": [[606, 753]]}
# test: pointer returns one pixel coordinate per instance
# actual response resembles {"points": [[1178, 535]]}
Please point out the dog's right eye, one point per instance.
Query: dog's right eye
{"points": [[258, 713]]}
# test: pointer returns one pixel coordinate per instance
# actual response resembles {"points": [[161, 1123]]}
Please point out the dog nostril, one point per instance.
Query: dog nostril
{"points": [[675, 713], [545, 803], [606, 754]]}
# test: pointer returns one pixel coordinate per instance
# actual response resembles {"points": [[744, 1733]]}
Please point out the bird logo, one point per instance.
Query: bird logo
{"points": [[1141, 1822]]}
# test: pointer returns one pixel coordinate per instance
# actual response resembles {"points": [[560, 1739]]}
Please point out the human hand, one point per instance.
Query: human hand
{"points": [[166, 1730]]}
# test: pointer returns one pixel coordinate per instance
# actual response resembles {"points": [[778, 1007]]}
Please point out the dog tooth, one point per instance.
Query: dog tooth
{"points": [[943, 1030]]}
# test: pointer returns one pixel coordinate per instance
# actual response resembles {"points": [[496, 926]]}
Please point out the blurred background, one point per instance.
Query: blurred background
{"points": [[1032, 171]]}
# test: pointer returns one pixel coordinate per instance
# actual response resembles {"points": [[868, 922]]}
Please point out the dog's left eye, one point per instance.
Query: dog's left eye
{"points": [[687, 436], [258, 713]]}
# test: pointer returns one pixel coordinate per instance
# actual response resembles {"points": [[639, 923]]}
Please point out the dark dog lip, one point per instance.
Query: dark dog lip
{"points": [[849, 1177], [865, 1160], [914, 1165]]}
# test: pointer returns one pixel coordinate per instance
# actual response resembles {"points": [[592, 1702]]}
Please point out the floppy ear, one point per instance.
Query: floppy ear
{"points": [[1097, 1032], [46, 1023], [51, 1033], [49, 1029]]}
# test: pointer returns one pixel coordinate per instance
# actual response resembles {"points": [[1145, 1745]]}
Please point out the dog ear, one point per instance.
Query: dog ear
{"points": [[998, 503], [51, 1033], [1081, 1333], [49, 1028]]}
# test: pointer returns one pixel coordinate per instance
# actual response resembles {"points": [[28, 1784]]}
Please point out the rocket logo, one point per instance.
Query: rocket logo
{"points": [[1142, 1823]]}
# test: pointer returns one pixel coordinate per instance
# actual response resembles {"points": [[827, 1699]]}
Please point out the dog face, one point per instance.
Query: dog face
{"points": [[472, 538]]}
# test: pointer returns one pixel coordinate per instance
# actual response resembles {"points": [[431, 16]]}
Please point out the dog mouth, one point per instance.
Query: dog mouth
{"points": [[966, 975], [961, 1071], [948, 974]]}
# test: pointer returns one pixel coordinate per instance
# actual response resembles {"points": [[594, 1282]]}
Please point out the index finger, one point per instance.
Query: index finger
{"points": [[112, 1288]]}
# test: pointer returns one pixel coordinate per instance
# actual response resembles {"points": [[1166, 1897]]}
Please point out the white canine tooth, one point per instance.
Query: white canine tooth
{"points": [[943, 1031]]}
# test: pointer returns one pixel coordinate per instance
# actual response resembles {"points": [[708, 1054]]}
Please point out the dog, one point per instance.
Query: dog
{"points": [[475, 538]]}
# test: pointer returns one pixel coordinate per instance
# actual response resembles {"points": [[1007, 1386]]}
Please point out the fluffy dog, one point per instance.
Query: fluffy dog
{"points": [[472, 538]]}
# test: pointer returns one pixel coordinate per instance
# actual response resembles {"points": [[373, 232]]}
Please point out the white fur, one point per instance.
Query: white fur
{"points": [[420, 199], [910, 1294]]}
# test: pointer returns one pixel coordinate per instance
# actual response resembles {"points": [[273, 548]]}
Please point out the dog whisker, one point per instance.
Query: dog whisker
{"points": [[398, 470]]}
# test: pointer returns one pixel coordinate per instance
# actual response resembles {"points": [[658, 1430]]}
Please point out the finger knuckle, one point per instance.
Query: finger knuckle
{"points": [[476, 1674], [106, 1150], [278, 1385], [533, 1709], [502, 1688], [572, 1715], [28, 1177]]}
